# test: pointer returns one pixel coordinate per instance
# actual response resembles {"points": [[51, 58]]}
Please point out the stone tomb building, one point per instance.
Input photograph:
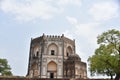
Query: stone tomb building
{"points": [[55, 57]]}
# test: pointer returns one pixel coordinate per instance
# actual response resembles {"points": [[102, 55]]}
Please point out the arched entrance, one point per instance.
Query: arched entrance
{"points": [[52, 69]]}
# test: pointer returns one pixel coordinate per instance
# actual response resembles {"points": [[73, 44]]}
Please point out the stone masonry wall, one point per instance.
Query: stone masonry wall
{"points": [[26, 78]]}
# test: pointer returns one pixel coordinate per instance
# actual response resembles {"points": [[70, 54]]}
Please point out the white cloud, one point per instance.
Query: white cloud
{"points": [[83, 29], [104, 10], [28, 10], [66, 2], [72, 20]]}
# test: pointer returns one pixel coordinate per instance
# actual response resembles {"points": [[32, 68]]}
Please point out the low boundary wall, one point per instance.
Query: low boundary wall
{"points": [[27, 78]]}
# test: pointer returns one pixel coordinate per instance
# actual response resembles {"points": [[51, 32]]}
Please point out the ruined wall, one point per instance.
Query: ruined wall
{"points": [[25, 78]]}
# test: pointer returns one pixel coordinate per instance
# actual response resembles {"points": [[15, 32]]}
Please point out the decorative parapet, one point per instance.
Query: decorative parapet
{"points": [[52, 38]]}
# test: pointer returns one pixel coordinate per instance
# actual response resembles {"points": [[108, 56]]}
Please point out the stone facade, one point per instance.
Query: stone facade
{"points": [[55, 57]]}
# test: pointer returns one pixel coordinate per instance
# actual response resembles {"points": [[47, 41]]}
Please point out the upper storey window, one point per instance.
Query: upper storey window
{"points": [[67, 54], [37, 53], [52, 52], [53, 49], [69, 51]]}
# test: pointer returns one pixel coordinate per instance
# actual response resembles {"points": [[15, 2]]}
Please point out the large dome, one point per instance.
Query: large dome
{"points": [[74, 57]]}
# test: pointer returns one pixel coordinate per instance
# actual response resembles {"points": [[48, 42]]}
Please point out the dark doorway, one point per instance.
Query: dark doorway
{"points": [[51, 75]]}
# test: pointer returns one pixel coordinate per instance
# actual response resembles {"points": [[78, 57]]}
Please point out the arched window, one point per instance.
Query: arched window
{"points": [[52, 52], [68, 51], [67, 54], [36, 51], [52, 49]]}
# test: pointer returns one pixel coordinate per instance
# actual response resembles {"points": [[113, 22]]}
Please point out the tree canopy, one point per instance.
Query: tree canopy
{"points": [[4, 68], [106, 59]]}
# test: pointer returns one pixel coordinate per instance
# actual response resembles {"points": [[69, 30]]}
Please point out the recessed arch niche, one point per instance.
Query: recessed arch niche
{"points": [[52, 49], [68, 51], [52, 66], [36, 51], [34, 66]]}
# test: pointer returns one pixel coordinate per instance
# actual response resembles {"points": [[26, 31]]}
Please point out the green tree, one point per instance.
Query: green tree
{"points": [[4, 68], [106, 60]]}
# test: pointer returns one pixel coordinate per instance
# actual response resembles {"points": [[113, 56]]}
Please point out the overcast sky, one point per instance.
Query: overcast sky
{"points": [[82, 20]]}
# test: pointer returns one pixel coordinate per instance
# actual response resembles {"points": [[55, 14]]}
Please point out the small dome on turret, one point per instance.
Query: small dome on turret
{"points": [[74, 56]]}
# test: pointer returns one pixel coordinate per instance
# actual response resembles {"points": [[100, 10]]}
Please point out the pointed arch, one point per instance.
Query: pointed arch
{"points": [[34, 66], [68, 51], [52, 66], [52, 49], [36, 51]]}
